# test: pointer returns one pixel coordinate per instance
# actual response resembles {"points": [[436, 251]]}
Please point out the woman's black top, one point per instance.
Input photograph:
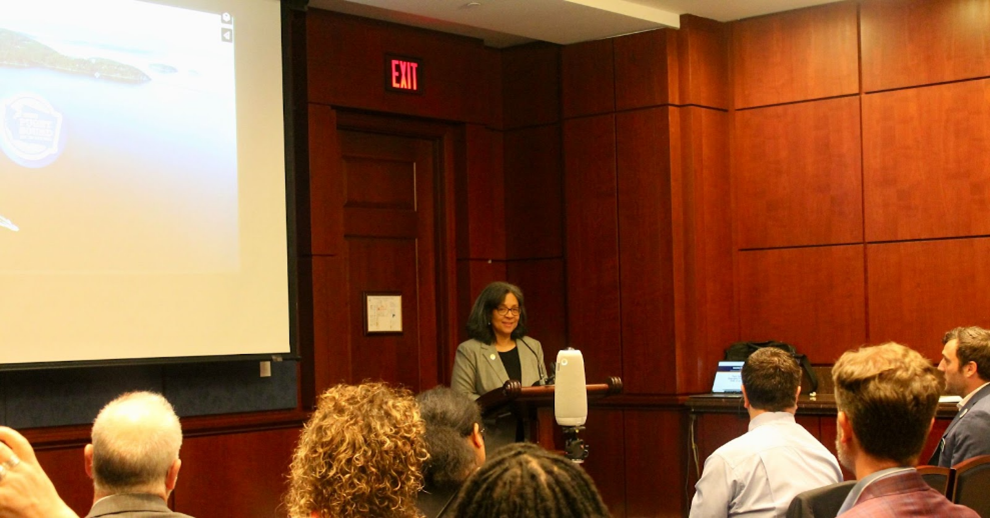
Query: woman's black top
{"points": [[510, 360]]}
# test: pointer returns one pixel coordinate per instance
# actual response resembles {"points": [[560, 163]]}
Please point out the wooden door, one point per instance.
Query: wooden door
{"points": [[390, 247]]}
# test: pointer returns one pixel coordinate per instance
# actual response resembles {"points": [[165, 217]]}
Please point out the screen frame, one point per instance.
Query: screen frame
{"points": [[293, 68]]}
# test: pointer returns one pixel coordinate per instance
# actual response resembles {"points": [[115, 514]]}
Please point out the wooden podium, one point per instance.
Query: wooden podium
{"points": [[532, 407]]}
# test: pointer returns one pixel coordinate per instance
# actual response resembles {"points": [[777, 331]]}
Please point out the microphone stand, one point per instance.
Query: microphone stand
{"points": [[575, 448]]}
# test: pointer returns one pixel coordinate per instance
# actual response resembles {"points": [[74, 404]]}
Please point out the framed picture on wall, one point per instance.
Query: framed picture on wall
{"points": [[382, 313]]}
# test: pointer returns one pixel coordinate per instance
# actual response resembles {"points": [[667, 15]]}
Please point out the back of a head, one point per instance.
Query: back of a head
{"points": [[771, 378], [450, 418], [524, 480], [973, 346], [360, 454], [890, 394], [136, 438]]}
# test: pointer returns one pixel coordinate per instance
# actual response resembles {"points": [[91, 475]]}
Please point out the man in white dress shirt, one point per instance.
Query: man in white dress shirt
{"points": [[760, 472]]}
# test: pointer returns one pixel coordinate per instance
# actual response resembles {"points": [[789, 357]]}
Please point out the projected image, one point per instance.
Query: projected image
{"points": [[7, 224], [118, 145]]}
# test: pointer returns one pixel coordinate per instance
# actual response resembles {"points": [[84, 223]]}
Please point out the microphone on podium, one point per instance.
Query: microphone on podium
{"points": [[570, 401], [545, 378]]}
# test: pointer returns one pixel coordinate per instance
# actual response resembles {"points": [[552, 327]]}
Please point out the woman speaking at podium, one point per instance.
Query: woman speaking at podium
{"points": [[498, 349]]}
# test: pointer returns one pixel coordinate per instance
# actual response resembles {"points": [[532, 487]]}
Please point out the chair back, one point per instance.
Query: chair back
{"points": [[822, 502], [939, 478], [972, 481]]}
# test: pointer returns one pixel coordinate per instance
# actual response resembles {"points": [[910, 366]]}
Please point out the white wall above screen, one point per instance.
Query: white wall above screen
{"points": [[142, 180]]}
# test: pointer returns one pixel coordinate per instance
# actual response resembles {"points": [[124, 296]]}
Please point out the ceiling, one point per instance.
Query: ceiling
{"points": [[505, 23]]}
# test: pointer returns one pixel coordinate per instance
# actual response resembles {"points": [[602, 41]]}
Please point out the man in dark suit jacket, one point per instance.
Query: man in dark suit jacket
{"points": [[134, 457], [966, 364], [900, 385]]}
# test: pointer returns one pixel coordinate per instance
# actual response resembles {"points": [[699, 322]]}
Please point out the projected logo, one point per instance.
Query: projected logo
{"points": [[30, 130], [6, 223]]}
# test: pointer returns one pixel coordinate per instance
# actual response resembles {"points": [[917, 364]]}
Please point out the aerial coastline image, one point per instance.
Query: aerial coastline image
{"points": [[117, 132]]}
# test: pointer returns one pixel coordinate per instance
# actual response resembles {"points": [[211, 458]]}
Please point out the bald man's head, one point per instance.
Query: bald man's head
{"points": [[136, 440]]}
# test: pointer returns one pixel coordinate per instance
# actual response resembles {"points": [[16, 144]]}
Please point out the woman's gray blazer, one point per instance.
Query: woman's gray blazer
{"points": [[478, 368]]}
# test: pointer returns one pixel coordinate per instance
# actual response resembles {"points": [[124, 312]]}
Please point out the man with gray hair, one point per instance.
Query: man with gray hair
{"points": [[134, 458]]}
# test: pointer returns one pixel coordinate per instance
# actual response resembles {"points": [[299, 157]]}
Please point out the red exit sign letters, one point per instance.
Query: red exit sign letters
{"points": [[403, 74]]}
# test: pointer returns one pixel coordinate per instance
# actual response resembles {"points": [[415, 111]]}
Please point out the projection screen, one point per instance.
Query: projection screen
{"points": [[142, 181]]}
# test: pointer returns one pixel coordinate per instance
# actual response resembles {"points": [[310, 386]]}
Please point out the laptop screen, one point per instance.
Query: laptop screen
{"points": [[728, 378]]}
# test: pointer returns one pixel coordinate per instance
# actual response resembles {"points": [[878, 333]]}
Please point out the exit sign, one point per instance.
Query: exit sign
{"points": [[403, 74]]}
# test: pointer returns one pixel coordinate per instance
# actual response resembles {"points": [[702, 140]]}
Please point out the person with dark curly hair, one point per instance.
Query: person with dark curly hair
{"points": [[359, 455], [524, 480], [498, 349], [456, 445]]}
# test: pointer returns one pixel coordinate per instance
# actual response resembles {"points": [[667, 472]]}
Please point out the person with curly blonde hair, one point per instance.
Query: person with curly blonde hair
{"points": [[360, 454]]}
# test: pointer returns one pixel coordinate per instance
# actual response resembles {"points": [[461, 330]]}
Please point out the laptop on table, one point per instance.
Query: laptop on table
{"points": [[728, 381]]}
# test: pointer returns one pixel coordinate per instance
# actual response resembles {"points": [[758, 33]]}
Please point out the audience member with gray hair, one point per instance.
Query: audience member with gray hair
{"points": [[134, 457]]}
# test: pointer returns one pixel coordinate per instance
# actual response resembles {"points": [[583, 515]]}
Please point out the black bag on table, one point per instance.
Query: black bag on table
{"points": [[740, 351]]}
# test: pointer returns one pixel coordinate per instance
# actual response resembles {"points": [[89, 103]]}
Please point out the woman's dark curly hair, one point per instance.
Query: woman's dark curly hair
{"points": [[450, 417], [360, 455], [524, 480], [479, 325]]}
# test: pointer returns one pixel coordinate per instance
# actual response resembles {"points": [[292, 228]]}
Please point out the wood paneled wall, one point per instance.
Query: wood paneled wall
{"points": [[533, 256], [346, 69], [860, 210], [923, 42], [648, 233], [830, 302], [231, 465], [502, 109], [812, 153], [648, 250], [462, 91], [747, 181], [917, 139], [646, 266], [920, 289], [252, 489], [592, 240], [795, 56]]}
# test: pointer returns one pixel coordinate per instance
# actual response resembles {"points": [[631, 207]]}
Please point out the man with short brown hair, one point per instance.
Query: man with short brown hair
{"points": [[886, 397], [966, 365], [760, 472]]}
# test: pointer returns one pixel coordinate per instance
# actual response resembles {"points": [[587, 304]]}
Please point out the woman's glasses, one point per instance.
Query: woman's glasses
{"points": [[502, 311]]}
